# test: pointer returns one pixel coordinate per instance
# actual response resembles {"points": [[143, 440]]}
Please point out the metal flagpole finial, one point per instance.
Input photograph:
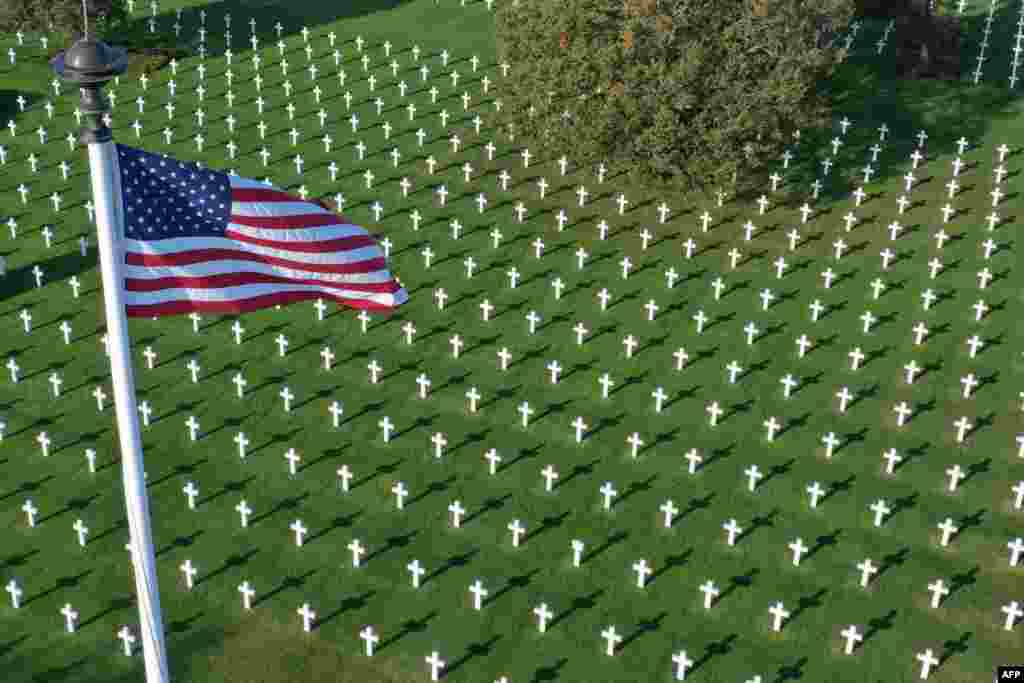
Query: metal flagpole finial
{"points": [[90, 63]]}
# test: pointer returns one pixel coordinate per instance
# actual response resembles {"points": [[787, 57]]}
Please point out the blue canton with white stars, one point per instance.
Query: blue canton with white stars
{"points": [[167, 199]]}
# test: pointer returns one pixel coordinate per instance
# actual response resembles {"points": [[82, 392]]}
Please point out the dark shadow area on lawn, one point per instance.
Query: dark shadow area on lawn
{"points": [[56, 269], [41, 666], [293, 16], [9, 108], [944, 109]]}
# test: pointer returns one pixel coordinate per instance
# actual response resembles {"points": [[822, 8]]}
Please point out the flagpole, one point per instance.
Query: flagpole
{"points": [[90, 64]]}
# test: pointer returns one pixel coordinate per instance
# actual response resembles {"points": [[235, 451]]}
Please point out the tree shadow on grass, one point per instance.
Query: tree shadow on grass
{"points": [[59, 268], [9, 103], [293, 16], [946, 110]]}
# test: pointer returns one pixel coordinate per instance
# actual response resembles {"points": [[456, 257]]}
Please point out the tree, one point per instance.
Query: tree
{"points": [[683, 93], [61, 16]]}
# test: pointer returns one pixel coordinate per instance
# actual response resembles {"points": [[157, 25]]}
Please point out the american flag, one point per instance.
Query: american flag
{"points": [[199, 240]]}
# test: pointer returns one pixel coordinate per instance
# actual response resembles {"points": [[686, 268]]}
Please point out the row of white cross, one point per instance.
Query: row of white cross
{"points": [[851, 634]]}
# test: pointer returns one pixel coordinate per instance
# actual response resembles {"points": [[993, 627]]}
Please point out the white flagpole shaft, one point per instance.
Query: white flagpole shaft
{"points": [[106, 192]]}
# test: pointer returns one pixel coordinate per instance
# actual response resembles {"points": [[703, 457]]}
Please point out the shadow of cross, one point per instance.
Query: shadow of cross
{"points": [[391, 543], [181, 625], [270, 381], [471, 438], [115, 605], [236, 560], [481, 649], [859, 396], [119, 524], [904, 503], [839, 486], [460, 560], [269, 329], [893, 560], [10, 645], [286, 583], [807, 382], [321, 394], [549, 673], [790, 425], [385, 468], [409, 626], [664, 437], [546, 524], [791, 672], [178, 471], [954, 647], [433, 487], [694, 505], [577, 471], [59, 673], [373, 406], [689, 392], [454, 380], [60, 584], [876, 354], [229, 367], [523, 454], [311, 342], [326, 455], [602, 424], [716, 648], [72, 504], [421, 421], [975, 469], [480, 343], [18, 559], [281, 437], [614, 538], [922, 408], [807, 602], [878, 624], [229, 487], [723, 452], [968, 521], [634, 488], [778, 470], [982, 422], [645, 626], [336, 523], [604, 329], [671, 561], [179, 542], [227, 422], [823, 541], [556, 407], [492, 503], [348, 604], [758, 522], [962, 580], [284, 504], [583, 602], [517, 307], [629, 381], [745, 580], [751, 369], [851, 438]]}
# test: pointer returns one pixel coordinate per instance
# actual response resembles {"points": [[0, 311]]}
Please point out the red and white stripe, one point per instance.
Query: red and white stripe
{"points": [[276, 250]]}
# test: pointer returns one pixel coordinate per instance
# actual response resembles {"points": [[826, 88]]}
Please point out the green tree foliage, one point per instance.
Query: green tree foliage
{"points": [[61, 16], [680, 93]]}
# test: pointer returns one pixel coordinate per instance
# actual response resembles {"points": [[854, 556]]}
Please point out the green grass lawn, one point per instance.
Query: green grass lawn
{"points": [[210, 637]]}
